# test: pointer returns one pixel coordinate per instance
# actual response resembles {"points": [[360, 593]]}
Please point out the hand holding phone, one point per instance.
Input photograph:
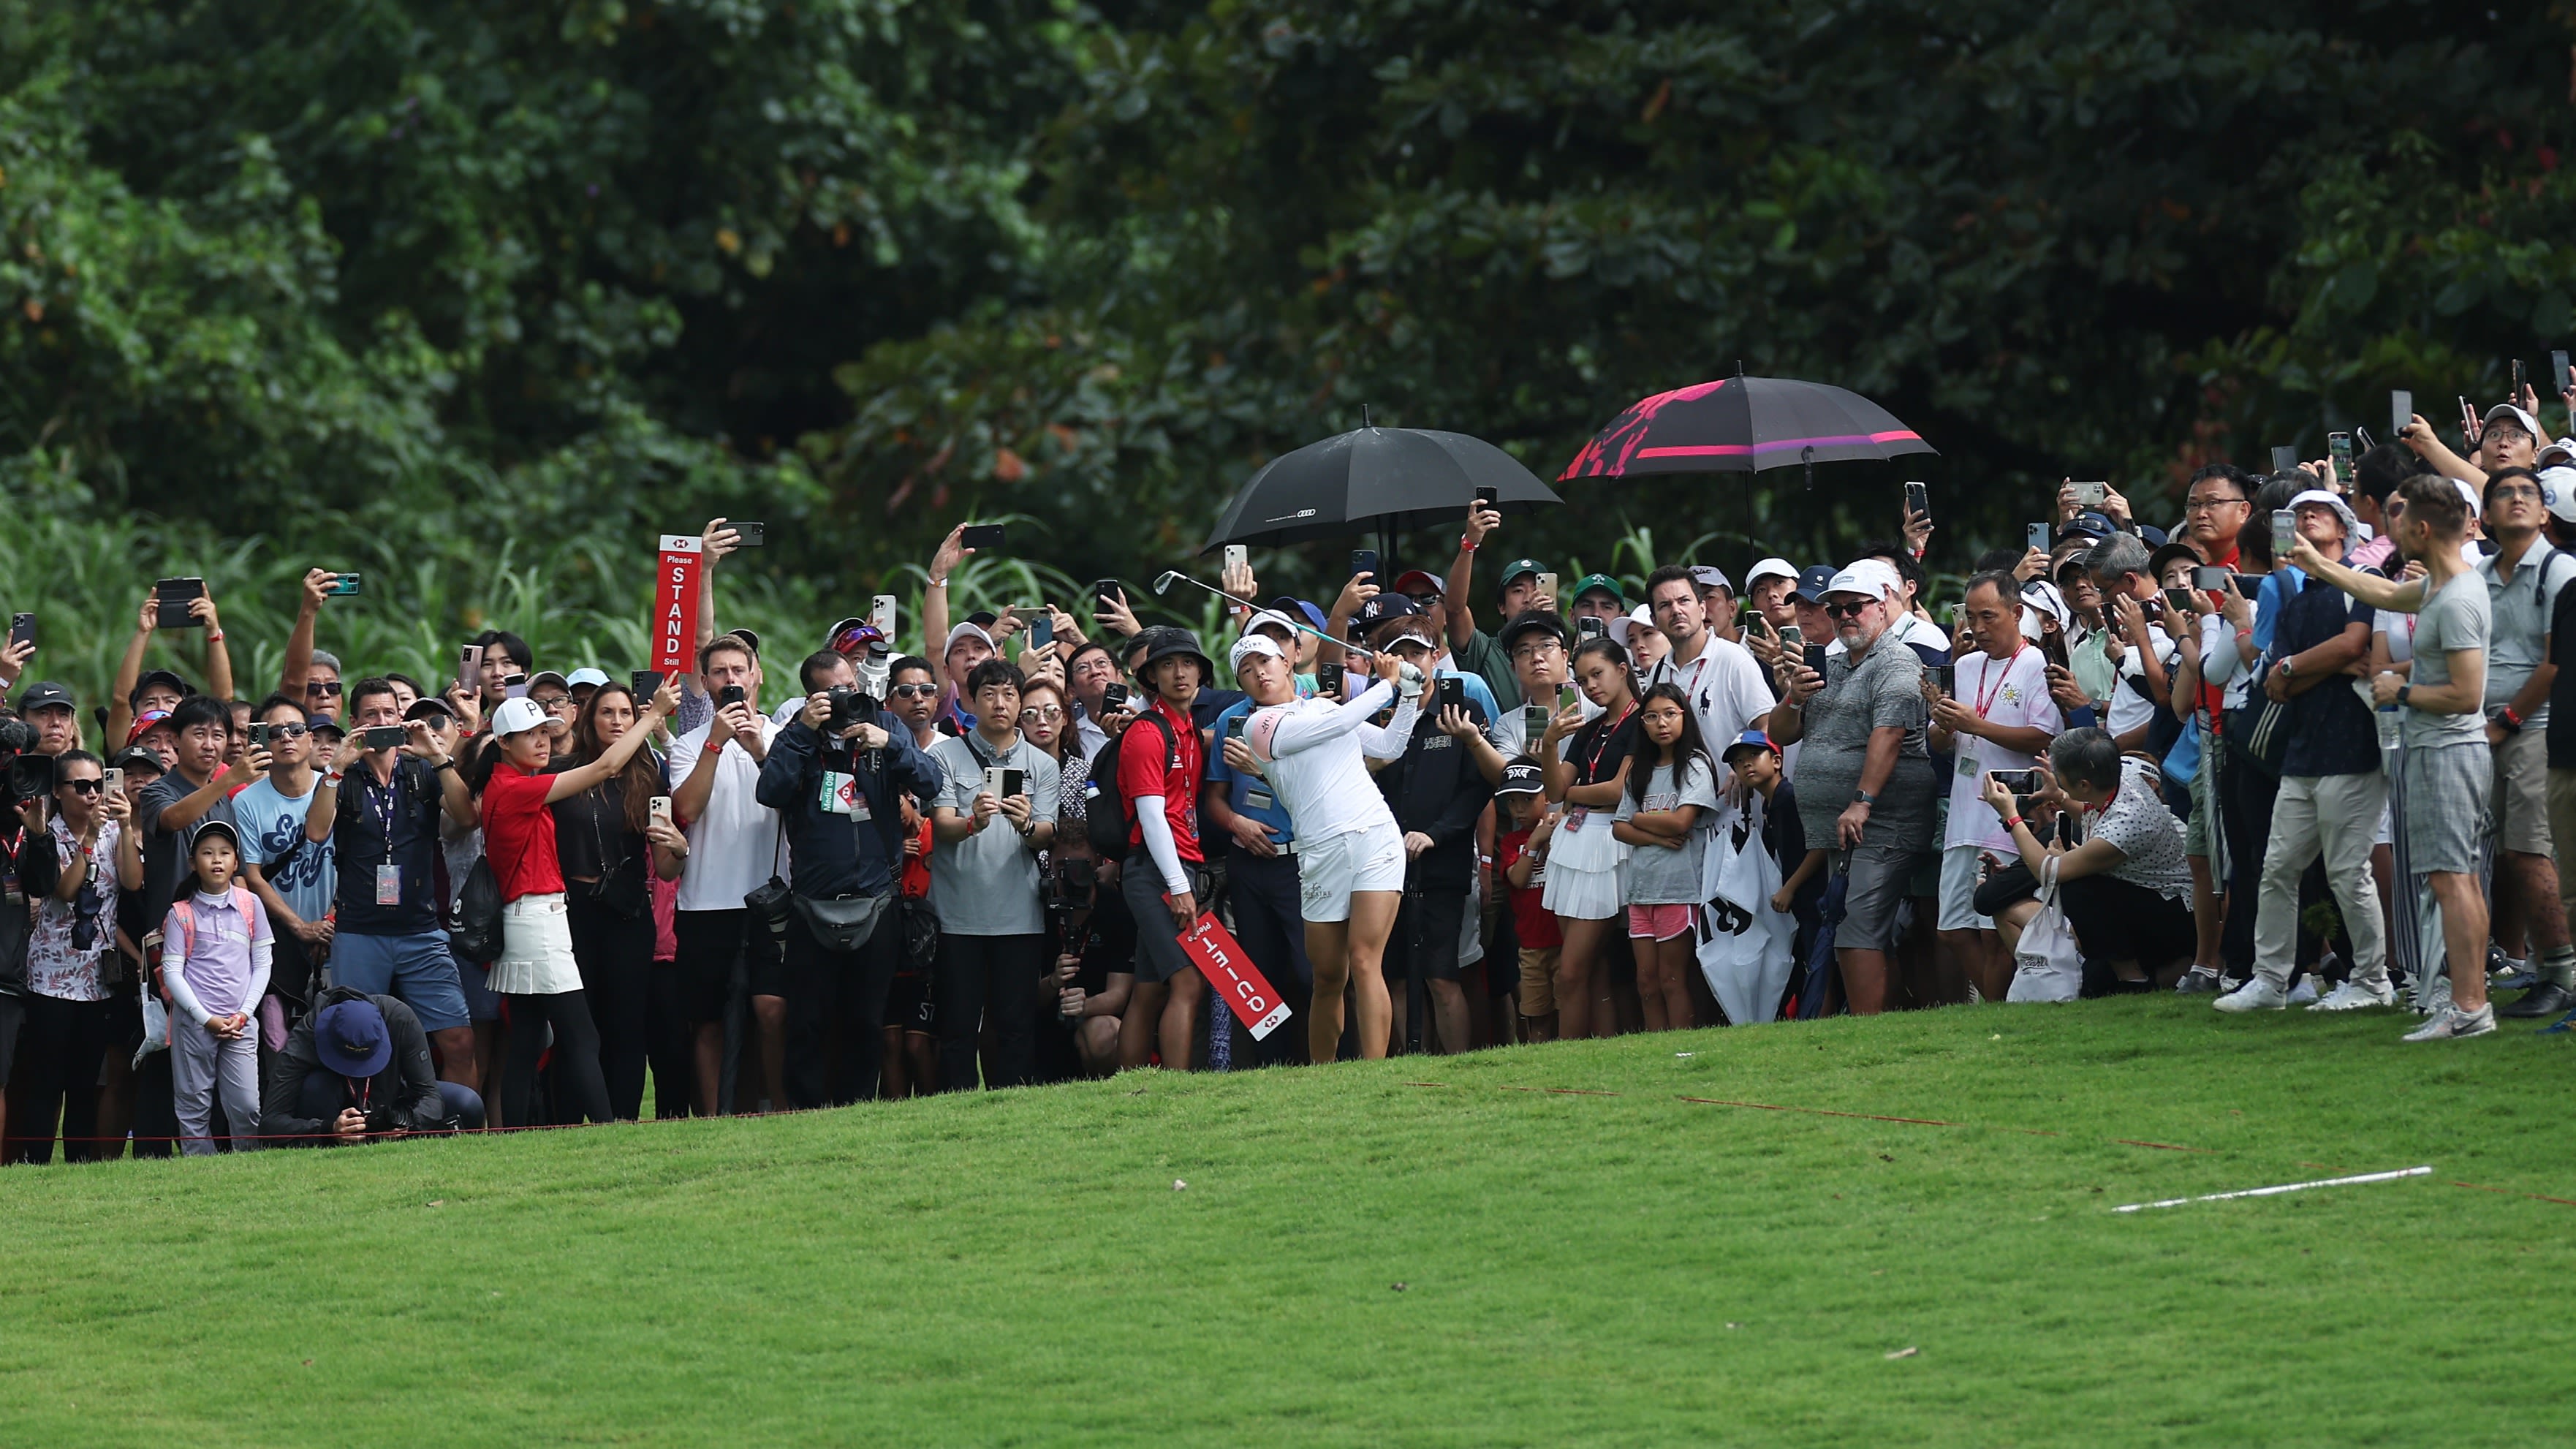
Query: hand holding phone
{"points": [[980, 535], [2401, 411], [749, 535], [1364, 564]]}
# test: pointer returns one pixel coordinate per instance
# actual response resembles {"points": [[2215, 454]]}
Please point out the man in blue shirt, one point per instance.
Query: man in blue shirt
{"points": [[1236, 805], [2332, 792]]}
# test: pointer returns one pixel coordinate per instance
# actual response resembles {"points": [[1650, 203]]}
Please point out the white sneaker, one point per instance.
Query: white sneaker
{"points": [[2435, 998], [2303, 993], [2451, 1024], [2258, 994], [2353, 996]]}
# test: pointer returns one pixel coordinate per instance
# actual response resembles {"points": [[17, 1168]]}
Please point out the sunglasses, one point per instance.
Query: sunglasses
{"points": [[316, 686], [1046, 713], [914, 691], [85, 787], [1847, 611], [289, 731]]}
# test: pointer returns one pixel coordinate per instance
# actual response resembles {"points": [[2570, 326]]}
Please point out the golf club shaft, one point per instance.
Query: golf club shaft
{"points": [[1171, 574]]}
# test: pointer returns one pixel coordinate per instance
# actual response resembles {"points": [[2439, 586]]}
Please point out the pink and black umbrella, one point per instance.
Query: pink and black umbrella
{"points": [[1743, 425]]}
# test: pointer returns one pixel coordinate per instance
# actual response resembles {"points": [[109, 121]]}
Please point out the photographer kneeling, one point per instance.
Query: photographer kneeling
{"points": [[2120, 875], [358, 1067]]}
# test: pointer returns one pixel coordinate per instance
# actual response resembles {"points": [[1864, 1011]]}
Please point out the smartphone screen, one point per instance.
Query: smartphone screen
{"points": [[2285, 531], [2178, 600], [2339, 452], [981, 535], [2209, 579], [2401, 411]]}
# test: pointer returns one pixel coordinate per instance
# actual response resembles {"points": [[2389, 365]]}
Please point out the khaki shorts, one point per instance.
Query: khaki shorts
{"points": [[1538, 979], [2521, 800]]}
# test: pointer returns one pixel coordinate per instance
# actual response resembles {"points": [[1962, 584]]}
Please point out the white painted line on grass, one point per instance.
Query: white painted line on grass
{"points": [[2284, 1187]]}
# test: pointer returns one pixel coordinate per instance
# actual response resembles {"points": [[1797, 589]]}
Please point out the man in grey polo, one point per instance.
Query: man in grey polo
{"points": [[2523, 577]]}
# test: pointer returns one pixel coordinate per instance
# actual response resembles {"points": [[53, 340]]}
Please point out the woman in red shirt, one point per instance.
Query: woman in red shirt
{"points": [[536, 975]]}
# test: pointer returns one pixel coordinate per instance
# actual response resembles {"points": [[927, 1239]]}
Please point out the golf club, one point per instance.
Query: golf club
{"points": [[1163, 585]]}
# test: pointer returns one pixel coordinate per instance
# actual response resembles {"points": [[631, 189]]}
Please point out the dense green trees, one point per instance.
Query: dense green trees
{"points": [[395, 280]]}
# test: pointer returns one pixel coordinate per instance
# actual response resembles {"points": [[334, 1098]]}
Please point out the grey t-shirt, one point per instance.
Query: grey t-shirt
{"points": [[1884, 691], [987, 884], [2520, 605], [2456, 617], [1658, 876]]}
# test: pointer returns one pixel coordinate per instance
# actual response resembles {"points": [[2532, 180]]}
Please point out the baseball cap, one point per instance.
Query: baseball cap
{"points": [[2088, 524], [324, 724], [135, 757], [1620, 628], [1709, 576], [350, 1038], [1417, 578], [1269, 619], [2468, 490], [428, 705], [144, 722], [542, 675], [2564, 451], [750, 640], [2558, 490], [1749, 740], [1520, 568], [2529, 425], [1602, 582], [1522, 778], [968, 630], [2157, 561], [1814, 581], [2151, 535], [586, 675], [1771, 568], [1528, 621], [516, 716], [1384, 607], [152, 677], [1250, 645], [214, 826], [44, 694], [1299, 608], [1873, 578]]}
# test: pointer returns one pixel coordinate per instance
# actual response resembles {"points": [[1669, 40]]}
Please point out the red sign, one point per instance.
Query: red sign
{"points": [[675, 604], [1239, 983]]}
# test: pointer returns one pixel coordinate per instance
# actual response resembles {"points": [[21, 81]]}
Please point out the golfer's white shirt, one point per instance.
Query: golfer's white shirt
{"points": [[1319, 754]]}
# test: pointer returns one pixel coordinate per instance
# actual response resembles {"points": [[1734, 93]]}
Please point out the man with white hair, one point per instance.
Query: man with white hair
{"points": [[1865, 783]]}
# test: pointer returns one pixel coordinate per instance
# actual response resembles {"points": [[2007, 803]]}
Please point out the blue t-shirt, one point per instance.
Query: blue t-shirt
{"points": [[1249, 795], [272, 826]]}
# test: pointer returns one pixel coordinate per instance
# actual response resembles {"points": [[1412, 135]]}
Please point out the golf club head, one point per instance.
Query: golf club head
{"points": [[1165, 582]]}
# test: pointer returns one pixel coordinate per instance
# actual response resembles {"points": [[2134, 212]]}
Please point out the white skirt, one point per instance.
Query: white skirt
{"points": [[1586, 871], [536, 949]]}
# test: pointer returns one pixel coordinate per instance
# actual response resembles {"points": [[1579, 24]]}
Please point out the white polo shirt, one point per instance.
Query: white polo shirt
{"points": [[731, 845]]}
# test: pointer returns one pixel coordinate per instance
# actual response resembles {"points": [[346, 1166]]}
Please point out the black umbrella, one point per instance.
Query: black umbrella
{"points": [[1743, 425], [1383, 478]]}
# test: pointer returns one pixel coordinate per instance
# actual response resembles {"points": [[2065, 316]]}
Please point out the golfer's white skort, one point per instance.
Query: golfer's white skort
{"points": [[1332, 870]]}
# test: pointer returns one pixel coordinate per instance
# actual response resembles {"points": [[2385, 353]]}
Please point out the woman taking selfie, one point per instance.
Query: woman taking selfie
{"points": [[1586, 865], [599, 836], [536, 975]]}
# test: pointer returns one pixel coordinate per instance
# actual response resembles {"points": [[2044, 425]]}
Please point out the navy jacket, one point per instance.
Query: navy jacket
{"points": [[831, 854]]}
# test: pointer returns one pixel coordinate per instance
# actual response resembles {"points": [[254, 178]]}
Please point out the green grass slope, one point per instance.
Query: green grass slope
{"points": [[1361, 1258]]}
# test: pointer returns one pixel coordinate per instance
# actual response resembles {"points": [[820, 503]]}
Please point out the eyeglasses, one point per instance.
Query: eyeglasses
{"points": [[288, 731], [1047, 713], [2507, 495], [321, 687], [85, 787], [1847, 611], [2202, 503], [913, 691]]}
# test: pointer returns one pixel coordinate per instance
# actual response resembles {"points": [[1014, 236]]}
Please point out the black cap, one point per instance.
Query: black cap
{"points": [[427, 705], [214, 826], [1529, 620], [1521, 778], [135, 757], [45, 694], [1387, 606], [152, 677]]}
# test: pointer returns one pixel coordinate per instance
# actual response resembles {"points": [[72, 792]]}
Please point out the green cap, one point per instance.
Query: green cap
{"points": [[1603, 582], [1519, 568]]}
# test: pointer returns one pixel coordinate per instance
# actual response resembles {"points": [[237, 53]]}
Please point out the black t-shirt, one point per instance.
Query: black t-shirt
{"points": [[402, 816], [1598, 749], [2562, 690]]}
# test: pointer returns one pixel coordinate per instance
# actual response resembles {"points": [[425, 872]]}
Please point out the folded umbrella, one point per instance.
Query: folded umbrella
{"points": [[1382, 478]]}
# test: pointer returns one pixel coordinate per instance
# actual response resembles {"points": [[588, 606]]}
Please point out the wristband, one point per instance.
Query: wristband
{"points": [[214, 636], [2013, 824], [1466, 544], [2512, 722], [939, 583]]}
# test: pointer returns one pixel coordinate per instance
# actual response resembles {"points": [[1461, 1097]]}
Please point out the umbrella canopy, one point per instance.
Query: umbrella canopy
{"points": [[1381, 478], [1743, 425]]}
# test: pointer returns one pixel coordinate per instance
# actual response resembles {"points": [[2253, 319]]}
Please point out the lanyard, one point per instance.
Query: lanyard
{"points": [[384, 807], [1986, 697], [1601, 742]]}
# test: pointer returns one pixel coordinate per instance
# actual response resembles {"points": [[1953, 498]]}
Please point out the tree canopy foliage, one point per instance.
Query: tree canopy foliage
{"points": [[430, 274]]}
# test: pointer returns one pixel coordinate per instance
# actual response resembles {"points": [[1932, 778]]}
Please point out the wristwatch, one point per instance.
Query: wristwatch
{"points": [[1863, 797], [2404, 690]]}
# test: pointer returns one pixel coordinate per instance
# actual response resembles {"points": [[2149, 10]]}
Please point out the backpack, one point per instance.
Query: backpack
{"points": [[474, 931], [156, 994], [1106, 820]]}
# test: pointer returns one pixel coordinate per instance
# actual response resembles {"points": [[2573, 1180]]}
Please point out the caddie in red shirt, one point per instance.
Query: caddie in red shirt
{"points": [[1161, 763]]}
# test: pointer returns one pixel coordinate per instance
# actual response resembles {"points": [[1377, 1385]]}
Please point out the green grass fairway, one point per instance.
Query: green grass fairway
{"points": [[1358, 1259]]}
